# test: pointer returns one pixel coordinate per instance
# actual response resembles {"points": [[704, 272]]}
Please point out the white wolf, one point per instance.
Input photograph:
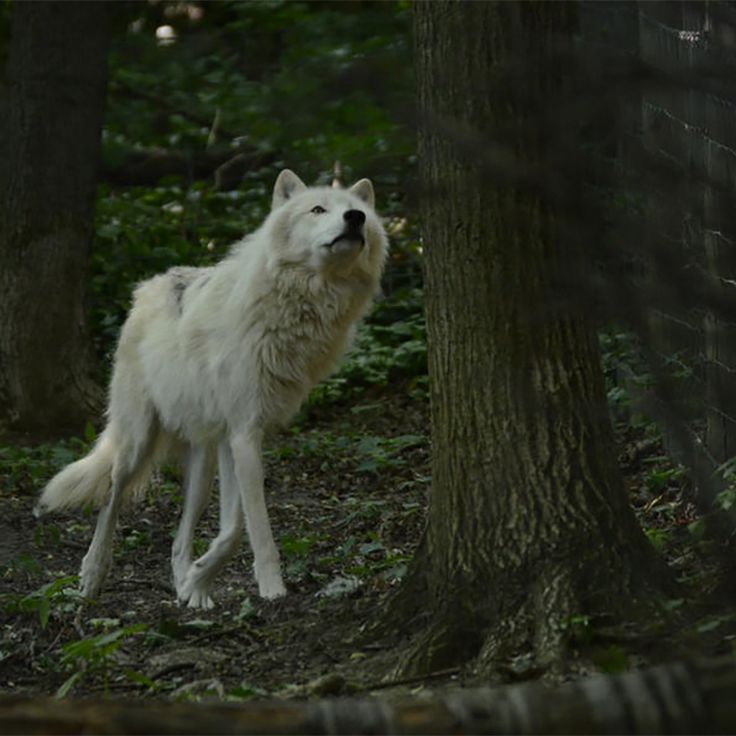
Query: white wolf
{"points": [[210, 358]]}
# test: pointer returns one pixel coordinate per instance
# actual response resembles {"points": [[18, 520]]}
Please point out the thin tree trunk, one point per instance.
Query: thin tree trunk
{"points": [[528, 523], [49, 150]]}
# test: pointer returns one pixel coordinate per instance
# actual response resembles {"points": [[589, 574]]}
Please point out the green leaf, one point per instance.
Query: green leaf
{"points": [[370, 547], [44, 608], [89, 433], [297, 547], [114, 636], [140, 679], [247, 609], [611, 659], [68, 684], [714, 623], [697, 528]]}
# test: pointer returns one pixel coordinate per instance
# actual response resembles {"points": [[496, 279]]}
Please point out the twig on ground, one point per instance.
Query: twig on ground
{"points": [[241, 627], [75, 545], [384, 684], [171, 668], [140, 583]]}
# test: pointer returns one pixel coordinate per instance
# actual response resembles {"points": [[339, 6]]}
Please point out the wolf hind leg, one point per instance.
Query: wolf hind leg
{"points": [[195, 591], [133, 458], [199, 475]]}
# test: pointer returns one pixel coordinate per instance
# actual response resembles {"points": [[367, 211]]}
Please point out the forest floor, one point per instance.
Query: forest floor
{"points": [[347, 489]]}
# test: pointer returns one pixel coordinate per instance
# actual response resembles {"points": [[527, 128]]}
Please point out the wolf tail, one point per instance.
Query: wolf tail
{"points": [[84, 481]]}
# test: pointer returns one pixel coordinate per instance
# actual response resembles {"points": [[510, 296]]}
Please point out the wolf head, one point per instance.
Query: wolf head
{"points": [[335, 232]]}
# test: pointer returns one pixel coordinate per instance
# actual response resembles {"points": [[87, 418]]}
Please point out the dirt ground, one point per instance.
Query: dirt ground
{"points": [[347, 489]]}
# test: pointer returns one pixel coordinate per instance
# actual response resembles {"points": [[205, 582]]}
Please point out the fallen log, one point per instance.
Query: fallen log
{"points": [[675, 698]]}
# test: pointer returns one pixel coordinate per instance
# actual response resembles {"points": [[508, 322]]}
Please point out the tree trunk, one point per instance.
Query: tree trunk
{"points": [[49, 149], [528, 523]]}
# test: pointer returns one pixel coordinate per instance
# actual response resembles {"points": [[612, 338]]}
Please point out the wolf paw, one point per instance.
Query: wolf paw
{"points": [[92, 576], [180, 569], [200, 599], [268, 576], [95, 566], [194, 594], [271, 586]]}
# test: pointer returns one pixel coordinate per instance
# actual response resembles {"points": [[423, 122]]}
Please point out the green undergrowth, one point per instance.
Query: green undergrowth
{"points": [[365, 453], [25, 469], [390, 346]]}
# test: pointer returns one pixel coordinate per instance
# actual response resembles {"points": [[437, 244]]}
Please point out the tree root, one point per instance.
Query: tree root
{"points": [[442, 644], [536, 633]]}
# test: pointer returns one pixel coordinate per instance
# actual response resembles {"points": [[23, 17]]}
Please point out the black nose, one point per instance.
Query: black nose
{"points": [[354, 218]]}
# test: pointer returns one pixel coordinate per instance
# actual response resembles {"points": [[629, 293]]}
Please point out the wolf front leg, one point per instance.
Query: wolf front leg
{"points": [[246, 447]]}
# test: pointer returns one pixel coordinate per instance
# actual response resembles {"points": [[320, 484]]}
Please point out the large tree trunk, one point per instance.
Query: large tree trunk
{"points": [[49, 148], [528, 522]]}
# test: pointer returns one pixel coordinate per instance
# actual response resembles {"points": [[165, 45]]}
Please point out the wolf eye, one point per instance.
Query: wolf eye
{"points": [[317, 210]]}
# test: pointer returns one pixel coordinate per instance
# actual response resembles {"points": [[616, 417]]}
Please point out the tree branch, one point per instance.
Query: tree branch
{"points": [[145, 167]]}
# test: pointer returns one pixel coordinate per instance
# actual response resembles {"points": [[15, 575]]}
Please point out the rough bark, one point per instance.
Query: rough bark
{"points": [[49, 148], [528, 521], [675, 698]]}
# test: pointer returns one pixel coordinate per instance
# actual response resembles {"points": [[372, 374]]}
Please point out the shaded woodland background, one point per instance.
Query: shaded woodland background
{"points": [[623, 134]]}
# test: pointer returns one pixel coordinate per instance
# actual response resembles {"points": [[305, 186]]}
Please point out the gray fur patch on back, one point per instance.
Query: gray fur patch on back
{"points": [[179, 287], [182, 277]]}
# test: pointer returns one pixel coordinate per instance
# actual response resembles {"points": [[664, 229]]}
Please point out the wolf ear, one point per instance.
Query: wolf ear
{"points": [[287, 185], [364, 190]]}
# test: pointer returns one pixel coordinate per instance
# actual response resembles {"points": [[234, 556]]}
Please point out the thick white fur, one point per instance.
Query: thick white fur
{"points": [[211, 358]]}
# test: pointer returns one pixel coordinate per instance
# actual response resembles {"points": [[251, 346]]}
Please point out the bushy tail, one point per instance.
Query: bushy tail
{"points": [[84, 481]]}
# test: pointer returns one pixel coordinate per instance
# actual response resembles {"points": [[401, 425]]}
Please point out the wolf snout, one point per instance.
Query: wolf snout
{"points": [[352, 235], [354, 218], [354, 221]]}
